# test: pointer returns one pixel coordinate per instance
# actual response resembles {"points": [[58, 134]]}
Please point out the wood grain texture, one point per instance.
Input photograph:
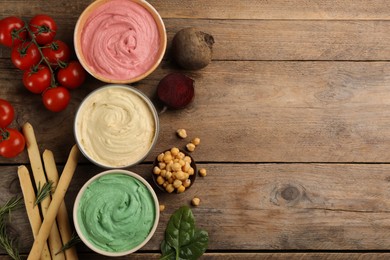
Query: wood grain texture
{"points": [[251, 112], [251, 256], [276, 39], [293, 117], [276, 207], [223, 9]]}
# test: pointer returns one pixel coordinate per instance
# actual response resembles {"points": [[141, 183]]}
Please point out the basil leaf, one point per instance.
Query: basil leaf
{"points": [[181, 228], [168, 253], [196, 247], [182, 239]]}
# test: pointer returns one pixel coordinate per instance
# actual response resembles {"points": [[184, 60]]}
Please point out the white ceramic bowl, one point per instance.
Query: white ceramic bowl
{"points": [[121, 42], [78, 225], [116, 126]]}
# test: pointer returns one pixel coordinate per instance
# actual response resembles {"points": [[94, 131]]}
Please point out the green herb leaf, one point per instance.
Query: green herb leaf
{"points": [[196, 247], [7, 243], [182, 239], [75, 239], [43, 192], [181, 228], [168, 252]]}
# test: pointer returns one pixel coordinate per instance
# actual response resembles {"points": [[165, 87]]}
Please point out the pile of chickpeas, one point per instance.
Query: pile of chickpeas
{"points": [[173, 170]]}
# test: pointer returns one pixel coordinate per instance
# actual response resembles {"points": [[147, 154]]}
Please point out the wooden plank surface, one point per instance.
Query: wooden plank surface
{"points": [[267, 206], [253, 256], [329, 112], [277, 39], [225, 9], [293, 117]]}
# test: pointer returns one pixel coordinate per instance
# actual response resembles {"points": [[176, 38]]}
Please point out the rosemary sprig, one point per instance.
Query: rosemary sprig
{"points": [[43, 192], [72, 242], [7, 243], [13, 203]]}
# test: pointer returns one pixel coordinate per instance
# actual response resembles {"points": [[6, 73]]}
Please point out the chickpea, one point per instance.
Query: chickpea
{"points": [[162, 165], [181, 189], [196, 141], [156, 170], [187, 183], [162, 207], [160, 157], [187, 159], [160, 180], [202, 172], [181, 155], [175, 151], [182, 133], [168, 175], [195, 201], [176, 166], [186, 167], [190, 147], [170, 188], [191, 171], [163, 173], [182, 162], [177, 183], [180, 175], [167, 157]]}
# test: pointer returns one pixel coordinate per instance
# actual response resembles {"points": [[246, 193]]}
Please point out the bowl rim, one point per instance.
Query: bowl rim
{"points": [[192, 177], [78, 49], [80, 194], [148, 102]]}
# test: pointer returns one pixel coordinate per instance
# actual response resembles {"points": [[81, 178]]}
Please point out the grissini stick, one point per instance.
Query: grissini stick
{"points": [[55, 243], [55, 204], [62, 216], [32, 211]]}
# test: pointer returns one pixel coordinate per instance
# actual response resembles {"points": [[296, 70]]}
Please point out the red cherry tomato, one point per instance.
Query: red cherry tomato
{"points": [[25, 55], [37, 79], [44, 28], [7, 113], [12, 143], [9, 28], [56, 99], [72, 76], [55, 52]]}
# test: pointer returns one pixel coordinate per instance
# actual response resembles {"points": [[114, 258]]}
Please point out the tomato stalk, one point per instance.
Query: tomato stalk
{"points": [[43, 58], [4, 134]]}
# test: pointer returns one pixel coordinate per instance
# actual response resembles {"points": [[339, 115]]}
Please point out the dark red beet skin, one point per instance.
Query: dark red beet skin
{"points": [[176, 90]]}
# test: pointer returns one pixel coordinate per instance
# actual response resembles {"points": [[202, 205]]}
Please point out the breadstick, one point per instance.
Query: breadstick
{"points": [[32, 211], [55, 243], [58, 197], [62, 216]]}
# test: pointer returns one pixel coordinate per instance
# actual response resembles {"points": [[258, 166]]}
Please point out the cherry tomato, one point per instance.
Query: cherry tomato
{"points": [[55, 52], [25, 55], [56, 99], [44, 28], [9, 28], [7, 113], [37, 79], [12, 143], [72, 76]]}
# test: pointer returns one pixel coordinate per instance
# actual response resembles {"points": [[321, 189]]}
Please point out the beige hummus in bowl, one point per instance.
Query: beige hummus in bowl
{"points": [[116, 126], [120, 41]]}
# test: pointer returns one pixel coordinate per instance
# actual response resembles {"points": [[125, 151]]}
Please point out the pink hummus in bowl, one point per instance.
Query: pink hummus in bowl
{"points": [[120, 41]]}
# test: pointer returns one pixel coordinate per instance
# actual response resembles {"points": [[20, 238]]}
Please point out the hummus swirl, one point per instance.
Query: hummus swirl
{"points": [[115, 126], [120, 40], [116, 212]]}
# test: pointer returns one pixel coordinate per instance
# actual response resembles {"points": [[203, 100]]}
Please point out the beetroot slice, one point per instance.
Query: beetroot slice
{"points": [[176, 90]]}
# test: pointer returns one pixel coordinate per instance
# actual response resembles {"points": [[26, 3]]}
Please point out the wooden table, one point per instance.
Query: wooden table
{"points": [[293, 116]]}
